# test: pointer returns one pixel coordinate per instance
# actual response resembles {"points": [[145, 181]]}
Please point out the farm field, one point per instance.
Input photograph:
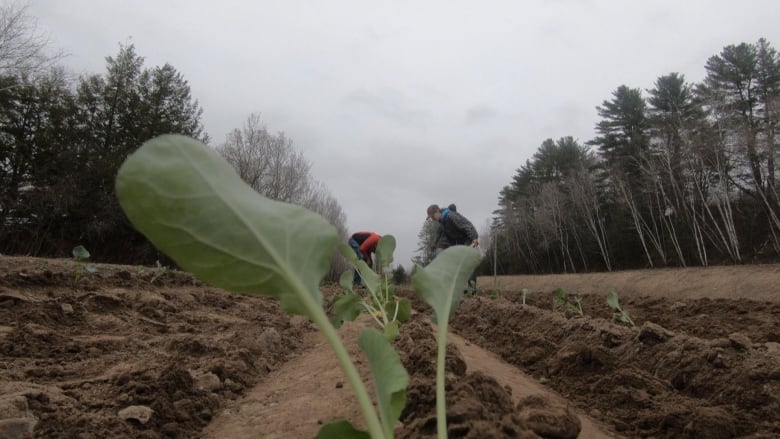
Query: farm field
{"points": [[139, 352]]}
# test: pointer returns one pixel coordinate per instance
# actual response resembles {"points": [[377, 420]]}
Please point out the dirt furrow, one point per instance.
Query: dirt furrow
{"points": [[295, 400], [522, 385]]}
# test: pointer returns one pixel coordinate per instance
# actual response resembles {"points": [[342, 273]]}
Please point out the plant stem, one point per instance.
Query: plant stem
{"points": [[441, 357], [377, 302], [318, 316], [370, 311]]}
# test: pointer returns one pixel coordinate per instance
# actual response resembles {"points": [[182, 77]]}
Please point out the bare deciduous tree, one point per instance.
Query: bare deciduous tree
{"points": [[269, 163], [23, 47], [647, 232], [584, 197]]}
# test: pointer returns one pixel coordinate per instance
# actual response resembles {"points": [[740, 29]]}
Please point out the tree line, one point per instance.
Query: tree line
{"points": [[62, 141], [681, 174]]}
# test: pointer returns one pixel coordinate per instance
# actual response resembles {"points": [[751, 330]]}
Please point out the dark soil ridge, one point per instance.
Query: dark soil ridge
{"points": [[93, 359], [700, 317], [477, 405], [647, 381], [23, 273]]}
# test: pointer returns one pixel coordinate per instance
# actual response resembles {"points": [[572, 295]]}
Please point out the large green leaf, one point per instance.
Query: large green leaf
{"points": [[346, 280], [401, 309], [384, 251], [370, 279], [441, 283], [348, 253], [341, 430], [191, 204], [346, 308], [392, 330], [390, 377]]}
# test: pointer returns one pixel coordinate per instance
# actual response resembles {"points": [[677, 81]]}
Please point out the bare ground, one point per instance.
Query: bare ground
{"points": [[132, 352]]}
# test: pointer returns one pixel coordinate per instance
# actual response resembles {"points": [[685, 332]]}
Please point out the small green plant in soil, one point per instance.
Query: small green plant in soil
{"points": [[81, 256], [380, 301], [618, 313], [526, 294], [158, 272], [192, 206], [566, 303]]}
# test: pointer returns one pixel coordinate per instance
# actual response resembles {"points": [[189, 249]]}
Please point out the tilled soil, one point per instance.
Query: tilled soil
{"points": [[478, 406], [132, 352], [693, 368], [113, 354]]}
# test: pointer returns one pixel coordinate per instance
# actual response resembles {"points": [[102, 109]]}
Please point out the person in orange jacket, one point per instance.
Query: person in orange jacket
{"points": [[364, 245]]}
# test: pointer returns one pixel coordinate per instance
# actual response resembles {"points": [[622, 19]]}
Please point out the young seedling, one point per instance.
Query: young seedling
{"points": [[81, 256], [380, 303], [618, 313], [578, 305], [561, 302], [495, 292], [440, 285], [158, 272], [192, 206], [526, 294]]}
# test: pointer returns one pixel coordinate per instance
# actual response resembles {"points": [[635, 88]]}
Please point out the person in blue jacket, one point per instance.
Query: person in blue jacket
{"points": [[457, 230], [440, 241]]}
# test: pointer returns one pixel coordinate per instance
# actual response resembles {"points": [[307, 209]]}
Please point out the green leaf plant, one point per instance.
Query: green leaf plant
{"points": [[387, 310], [526, 294], [618, 313], [562, 302], [158, 272], [440, 284], [81, 256], [192, 206]]}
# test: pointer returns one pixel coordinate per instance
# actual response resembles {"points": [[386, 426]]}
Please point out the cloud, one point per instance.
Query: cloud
{"points": [[389, 104], [479, 113], [401, 104]]}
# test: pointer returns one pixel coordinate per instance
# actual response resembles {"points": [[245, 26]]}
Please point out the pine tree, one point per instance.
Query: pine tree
{"points": [[622, 137], [426, 244]]}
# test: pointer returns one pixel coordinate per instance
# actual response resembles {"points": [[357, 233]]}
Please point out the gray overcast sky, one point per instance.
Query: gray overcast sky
{"points": [[399, 104]]}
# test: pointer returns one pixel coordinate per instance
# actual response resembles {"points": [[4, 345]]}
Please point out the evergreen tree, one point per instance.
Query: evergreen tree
{"points": [[118, 111], [622, 136], [36, 191], [769, 96], [673, 110], [64, 148], [731, 94], [426, 244], [398, 276]]}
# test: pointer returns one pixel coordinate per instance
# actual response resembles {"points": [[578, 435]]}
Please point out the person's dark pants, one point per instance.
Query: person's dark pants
{"points": [[356, 247]]}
